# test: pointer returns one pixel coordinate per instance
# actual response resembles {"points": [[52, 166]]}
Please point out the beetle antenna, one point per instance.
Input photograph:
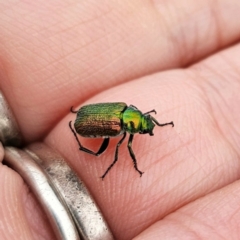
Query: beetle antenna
{"points": [[152, 111], [162, 124], [73, 111]]}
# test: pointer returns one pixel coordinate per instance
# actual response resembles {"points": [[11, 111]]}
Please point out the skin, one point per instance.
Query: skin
{"points": [[181, 58]]}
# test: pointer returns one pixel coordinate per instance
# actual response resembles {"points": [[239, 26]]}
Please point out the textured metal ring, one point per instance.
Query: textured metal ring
{"points": [[71, 210]]}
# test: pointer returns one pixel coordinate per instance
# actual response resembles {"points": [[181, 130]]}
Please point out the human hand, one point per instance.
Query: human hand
{"points": [[166, 56]]}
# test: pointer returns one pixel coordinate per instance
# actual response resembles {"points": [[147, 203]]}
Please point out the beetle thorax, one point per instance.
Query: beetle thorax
{"points": [[132, 120]]}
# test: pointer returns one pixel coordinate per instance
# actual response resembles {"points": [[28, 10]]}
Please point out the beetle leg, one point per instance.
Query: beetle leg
{"points": [[116, 156], [133, 155], [101, 149], [73, 111], [152, 111], [133, 106], [163, 124]]}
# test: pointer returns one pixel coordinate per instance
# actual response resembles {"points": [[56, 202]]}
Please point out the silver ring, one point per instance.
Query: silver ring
{"points": [[65, 199]]}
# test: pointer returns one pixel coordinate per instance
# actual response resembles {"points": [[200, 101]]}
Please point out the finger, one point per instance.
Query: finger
{"points": [[21, 217], [220, 83], [182, 163], [216, 216], [52, 59]]}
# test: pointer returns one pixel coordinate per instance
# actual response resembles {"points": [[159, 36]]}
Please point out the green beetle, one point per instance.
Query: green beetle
{"points": [[108, 120]]}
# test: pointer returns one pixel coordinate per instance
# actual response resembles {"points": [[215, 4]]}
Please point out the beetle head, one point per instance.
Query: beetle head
{"points": [[147, 125]]}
